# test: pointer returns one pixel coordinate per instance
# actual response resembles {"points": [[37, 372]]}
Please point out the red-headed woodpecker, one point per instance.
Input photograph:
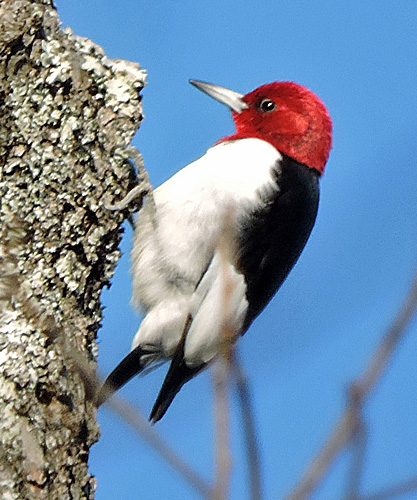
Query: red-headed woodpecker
{"points": [[264, 181]]}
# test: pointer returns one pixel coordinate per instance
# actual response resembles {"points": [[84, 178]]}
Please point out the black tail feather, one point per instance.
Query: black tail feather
{"points": [[176, 377], [130, 366], [139, 359], [178, 374]]}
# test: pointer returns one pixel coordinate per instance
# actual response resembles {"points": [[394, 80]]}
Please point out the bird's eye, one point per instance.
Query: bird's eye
{"points": [[266, 105]]}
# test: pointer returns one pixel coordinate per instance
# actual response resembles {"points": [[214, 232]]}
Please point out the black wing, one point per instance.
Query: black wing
{"points": [[273, 237]]}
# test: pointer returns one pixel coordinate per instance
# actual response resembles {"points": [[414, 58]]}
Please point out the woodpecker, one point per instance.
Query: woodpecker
{"points": [[258, 191]]}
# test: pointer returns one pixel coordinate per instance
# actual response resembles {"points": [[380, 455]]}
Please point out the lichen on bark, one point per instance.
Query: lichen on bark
{"points": [[67, 111]]}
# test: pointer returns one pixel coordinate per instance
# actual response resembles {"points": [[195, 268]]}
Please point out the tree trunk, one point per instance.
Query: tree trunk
{"points": [[65, 110]]}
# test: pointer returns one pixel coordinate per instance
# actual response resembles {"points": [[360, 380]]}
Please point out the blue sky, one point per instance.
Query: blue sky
{"points": [[321, 328]]}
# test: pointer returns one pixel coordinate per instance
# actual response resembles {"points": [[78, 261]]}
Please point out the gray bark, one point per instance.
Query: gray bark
{"points": [[65, 110]]}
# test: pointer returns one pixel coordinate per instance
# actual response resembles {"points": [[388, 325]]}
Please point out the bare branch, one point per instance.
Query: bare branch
{"points": [[394, 491], [221, 372], [134, 418], [360, 391], [354, 479], [221, 369], [252, 451]]}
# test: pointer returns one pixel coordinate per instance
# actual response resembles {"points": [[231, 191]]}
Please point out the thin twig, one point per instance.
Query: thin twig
{"points": [[394, 491], [251, 443], [226, 252], [359, 442], [360, 389], [222, 419], [134, 418]]}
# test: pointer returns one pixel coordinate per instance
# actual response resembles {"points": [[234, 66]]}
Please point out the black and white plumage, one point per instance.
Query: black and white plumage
{"points": [[226, 229]]}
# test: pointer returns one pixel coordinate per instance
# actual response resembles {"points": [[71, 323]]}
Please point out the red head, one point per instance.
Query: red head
{"points": [[287, 115]]}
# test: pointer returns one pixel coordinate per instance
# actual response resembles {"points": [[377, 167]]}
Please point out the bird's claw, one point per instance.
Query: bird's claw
{"points": [[143, 187]]}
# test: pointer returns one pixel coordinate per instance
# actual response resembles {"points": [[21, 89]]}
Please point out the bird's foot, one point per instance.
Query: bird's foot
{"points": [[143, 187]]}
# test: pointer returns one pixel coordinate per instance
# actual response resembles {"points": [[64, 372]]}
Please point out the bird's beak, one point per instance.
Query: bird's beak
{"points": [[232, 99]]}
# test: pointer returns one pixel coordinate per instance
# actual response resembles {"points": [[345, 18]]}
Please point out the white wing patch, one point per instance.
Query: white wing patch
{"points": [[162, 327], [218, 309]]}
